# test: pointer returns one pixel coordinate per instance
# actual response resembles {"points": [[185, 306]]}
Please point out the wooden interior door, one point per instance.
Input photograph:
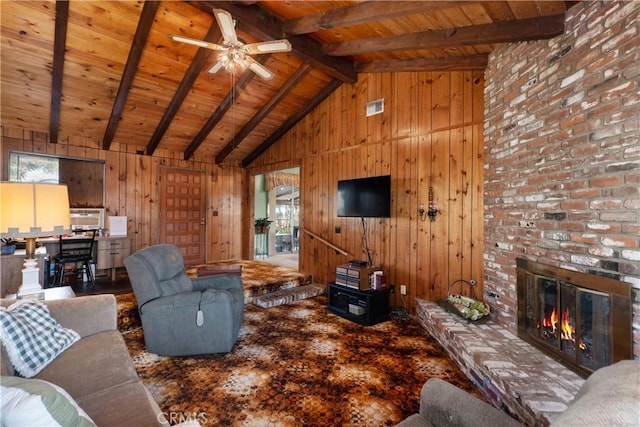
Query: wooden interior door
{"points": [[183, 212]]}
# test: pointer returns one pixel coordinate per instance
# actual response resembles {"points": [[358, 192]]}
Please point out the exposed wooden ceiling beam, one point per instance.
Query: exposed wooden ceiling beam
{"points": [[292, 121], [291, 82], [362, 13], [222, 109], [449, 63], [260, 24], [195, 68], [499, 32], [59, 44], [310, 50], [135, 53]]}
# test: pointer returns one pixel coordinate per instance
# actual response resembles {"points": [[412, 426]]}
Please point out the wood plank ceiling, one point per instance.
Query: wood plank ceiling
{"points": [[106, 70]]}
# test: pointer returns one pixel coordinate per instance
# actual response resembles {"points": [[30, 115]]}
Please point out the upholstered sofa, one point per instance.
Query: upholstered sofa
{"points": [[97, 370], [609, 397]]}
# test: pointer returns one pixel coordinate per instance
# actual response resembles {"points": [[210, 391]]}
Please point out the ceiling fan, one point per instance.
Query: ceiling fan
{"points": [[234, 51]]}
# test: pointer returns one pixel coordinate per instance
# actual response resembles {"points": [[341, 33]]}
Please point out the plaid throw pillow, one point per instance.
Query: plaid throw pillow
{"points": [[32, 337]]}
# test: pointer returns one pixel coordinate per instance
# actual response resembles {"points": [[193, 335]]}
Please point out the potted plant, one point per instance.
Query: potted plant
{"points": [[262, 225], [8, 245]]}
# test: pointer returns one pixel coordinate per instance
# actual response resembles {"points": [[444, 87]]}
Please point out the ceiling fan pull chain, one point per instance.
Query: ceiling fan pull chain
{"points": [[233, 102]]}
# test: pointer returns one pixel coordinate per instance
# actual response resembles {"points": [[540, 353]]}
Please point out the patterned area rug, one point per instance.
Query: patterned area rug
{"points": [[128, 316], [296, 365], [259, 277]]}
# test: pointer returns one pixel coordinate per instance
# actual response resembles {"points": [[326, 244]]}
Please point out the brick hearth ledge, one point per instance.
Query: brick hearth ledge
{"points": [[511, 373]]}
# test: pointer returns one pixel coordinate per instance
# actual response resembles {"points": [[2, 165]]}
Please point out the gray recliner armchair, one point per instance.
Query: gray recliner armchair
{"points": [[181, 316]]}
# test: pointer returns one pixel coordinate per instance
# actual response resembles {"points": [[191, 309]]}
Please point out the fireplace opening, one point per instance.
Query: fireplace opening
{"points": [[579, 319]]}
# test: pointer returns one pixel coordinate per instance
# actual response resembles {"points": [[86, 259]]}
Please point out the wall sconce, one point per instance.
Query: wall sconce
{"points": [[422, 212], [433, 211]]}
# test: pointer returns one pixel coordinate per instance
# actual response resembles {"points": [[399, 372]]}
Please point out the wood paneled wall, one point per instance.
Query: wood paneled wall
{"points": [[132, 188], [430, 134], [85, 180]]}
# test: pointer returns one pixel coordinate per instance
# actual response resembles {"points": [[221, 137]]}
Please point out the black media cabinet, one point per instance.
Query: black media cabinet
{"points": [[363, 307]]}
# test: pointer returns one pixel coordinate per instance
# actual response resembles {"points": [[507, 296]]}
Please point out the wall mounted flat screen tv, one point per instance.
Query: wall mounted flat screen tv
{"points": [[365, 197]]}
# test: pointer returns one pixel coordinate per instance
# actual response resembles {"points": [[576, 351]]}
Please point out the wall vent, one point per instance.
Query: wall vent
{"points": [[375, 107]]}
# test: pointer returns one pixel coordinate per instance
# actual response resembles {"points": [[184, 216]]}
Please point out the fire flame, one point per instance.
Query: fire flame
{"points": [[551, 320], [567, 331]]}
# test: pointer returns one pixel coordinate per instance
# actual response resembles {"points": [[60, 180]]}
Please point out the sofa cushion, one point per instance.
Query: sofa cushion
{"points": [[444, 404], [32, 337], [415, 420], [33, 402], [87, 314], [96, 362], [609, 397], [125, 405]]}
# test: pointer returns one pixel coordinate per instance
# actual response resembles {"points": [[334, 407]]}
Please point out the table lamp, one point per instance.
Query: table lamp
{"points": [[30, 210]]}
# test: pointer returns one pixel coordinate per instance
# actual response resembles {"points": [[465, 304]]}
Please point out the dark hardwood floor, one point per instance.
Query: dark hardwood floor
{"points": [[103, 285]]}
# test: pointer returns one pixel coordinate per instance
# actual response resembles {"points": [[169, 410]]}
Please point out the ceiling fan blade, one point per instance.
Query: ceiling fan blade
{"points": [[228, 29], [195, 42], [259, 69], [217, 66], [268, 47]]}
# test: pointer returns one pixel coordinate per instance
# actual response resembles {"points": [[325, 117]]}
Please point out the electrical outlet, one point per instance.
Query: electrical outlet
{"points": [[492, 294], [403, 289]]}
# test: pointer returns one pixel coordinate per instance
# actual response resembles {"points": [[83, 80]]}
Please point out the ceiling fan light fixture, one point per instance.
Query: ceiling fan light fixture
{"points": [[230, 61], [230, 66]]}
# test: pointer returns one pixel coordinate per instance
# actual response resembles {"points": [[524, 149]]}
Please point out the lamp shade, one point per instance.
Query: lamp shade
{"points": [[30, 209]]}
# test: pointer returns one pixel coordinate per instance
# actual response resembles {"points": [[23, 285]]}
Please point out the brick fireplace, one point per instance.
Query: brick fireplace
{"points": [[535, 382], [581, 320], [562, 156], [561, 188]]}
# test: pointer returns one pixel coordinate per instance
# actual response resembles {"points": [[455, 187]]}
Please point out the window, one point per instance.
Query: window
{"points": [[84, 178], [30, 168]]}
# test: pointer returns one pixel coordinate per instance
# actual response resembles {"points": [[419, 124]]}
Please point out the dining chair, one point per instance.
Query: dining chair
{"points": [[74, 251]]}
